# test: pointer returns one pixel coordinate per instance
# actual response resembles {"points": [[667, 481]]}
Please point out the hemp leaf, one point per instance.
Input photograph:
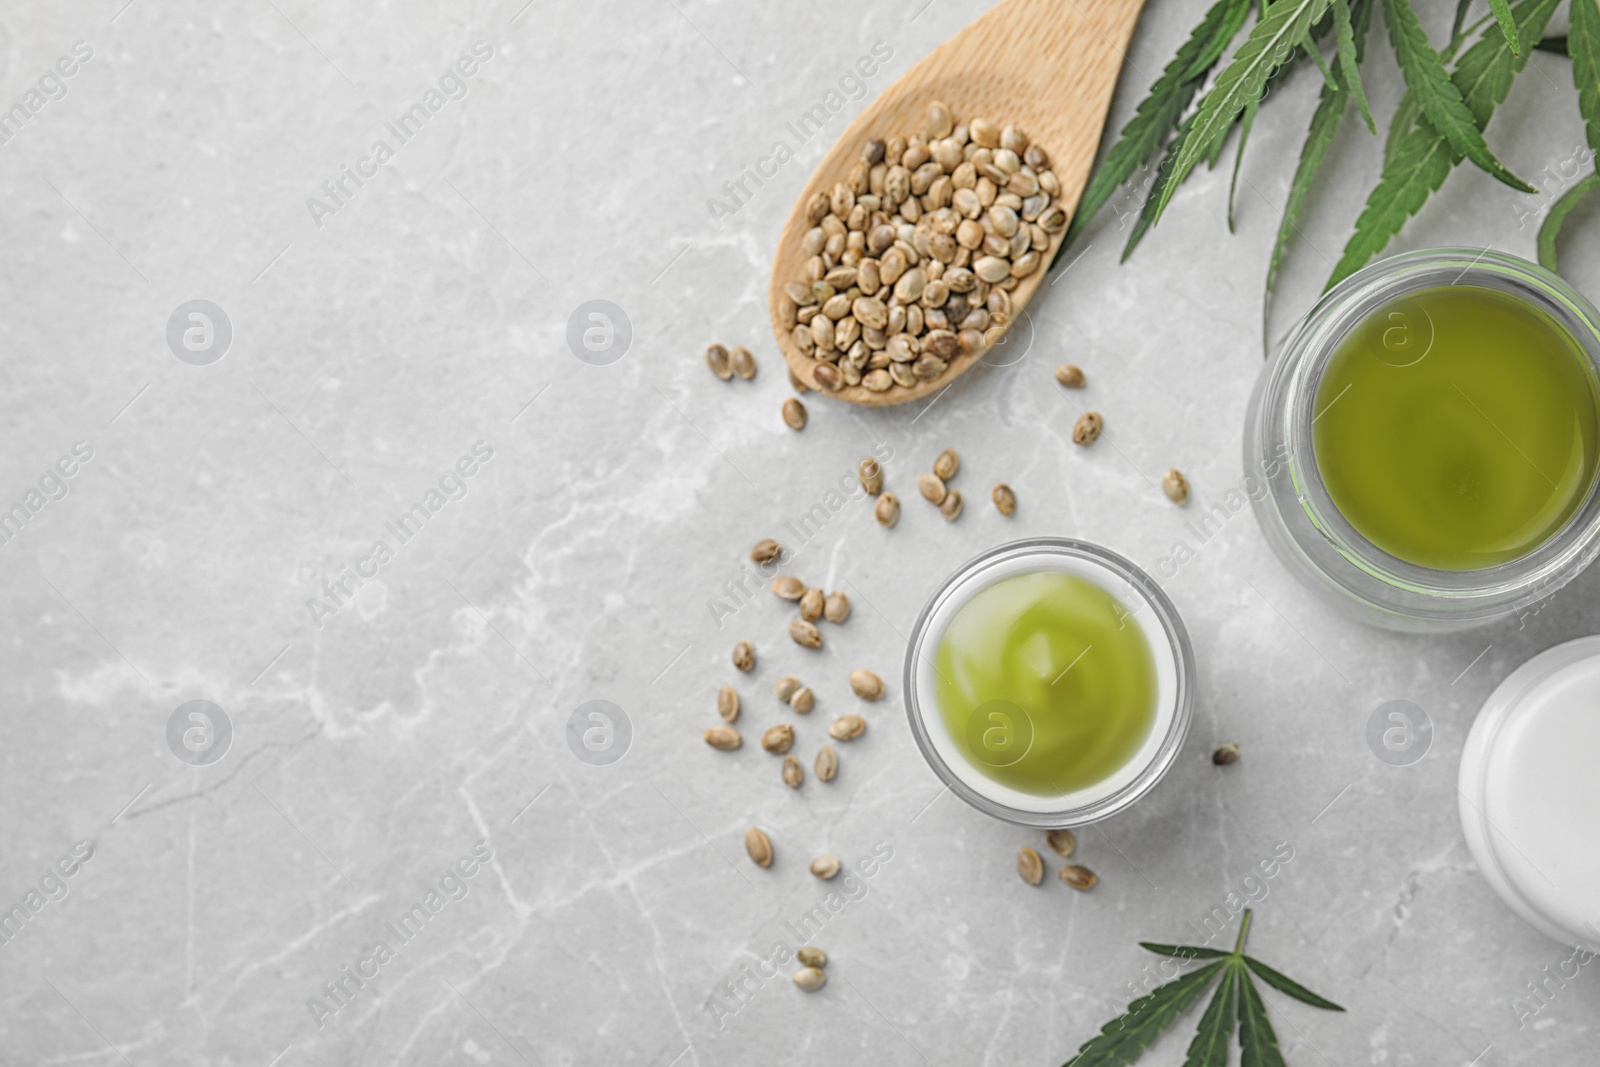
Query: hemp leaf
{"points": [[1236, 1002], [1440, 100], [1324, 124], [1583, 45], [1423, 158], [1158, 114], [1270, 43]]}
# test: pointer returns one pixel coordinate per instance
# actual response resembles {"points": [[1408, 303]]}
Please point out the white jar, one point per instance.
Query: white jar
{"points": [[1530, 791]]}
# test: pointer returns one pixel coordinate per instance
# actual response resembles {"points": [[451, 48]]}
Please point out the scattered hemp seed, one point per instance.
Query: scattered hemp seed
{"points": [[778, 739], [717, 360], [1070, 375], [887, 510], [765, 551], [810, 979], [1005, 501], [951, 508], [1175, 485], [871, 475], [724, 737], [946, 464], [1030, 866], [759, 845], [1062, 841], [788, 587], [728, 703], [847, 728], [742, 363], [794, 413], [825, 867], [1088, 427], [1079, 878], [1225, 754], [744, 656], [866, 685], [805, 634]]}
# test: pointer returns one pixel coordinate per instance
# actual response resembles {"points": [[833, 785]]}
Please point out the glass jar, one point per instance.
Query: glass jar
{"points": [[1528, 792], [1145, 606], [1293, 504]]}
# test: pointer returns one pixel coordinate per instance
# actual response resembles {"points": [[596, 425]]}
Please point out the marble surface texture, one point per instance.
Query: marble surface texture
{"points": [[379, 740]]}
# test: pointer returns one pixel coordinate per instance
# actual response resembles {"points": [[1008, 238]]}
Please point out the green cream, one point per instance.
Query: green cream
{"points": [[1456, 428], [1045, 683]]}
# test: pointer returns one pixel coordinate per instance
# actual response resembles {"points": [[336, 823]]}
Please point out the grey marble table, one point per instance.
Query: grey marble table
{"points": [[391, 725]]}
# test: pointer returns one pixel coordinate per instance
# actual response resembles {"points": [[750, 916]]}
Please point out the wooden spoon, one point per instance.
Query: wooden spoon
{"points": [[1046, 66]]}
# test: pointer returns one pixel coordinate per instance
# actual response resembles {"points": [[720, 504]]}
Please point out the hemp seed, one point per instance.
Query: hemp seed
{"points": [[1062, 841], [1175, 485], [759, 845], [811, 605], [802, 700], [717, 360], [871, 475], [744, 656], [847, 728], [1079, 878], [765, 551], [836, 608], [946, 464], [805, 634], [825, 867], [1005, 501], [1088, 428], [1225, 754], [742, 363], [827, 764], [793, 773], [788, 587], [779, 739], [866, 685], [810, 979], [1030, 866], [728, 703], [1070, 375], [724, 737], [887, 510], [794, 413]]}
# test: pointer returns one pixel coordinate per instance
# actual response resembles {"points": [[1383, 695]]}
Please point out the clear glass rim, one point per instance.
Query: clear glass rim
{"points": [[1308, 353], [1171, 625]]}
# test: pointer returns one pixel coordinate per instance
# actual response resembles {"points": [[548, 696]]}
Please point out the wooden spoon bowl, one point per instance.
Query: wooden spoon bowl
{"points": [[1048, 67]]}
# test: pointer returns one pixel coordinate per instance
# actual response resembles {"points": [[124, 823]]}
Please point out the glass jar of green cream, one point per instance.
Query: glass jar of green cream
{"points": [[1049, 682], [1428, 441]]}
